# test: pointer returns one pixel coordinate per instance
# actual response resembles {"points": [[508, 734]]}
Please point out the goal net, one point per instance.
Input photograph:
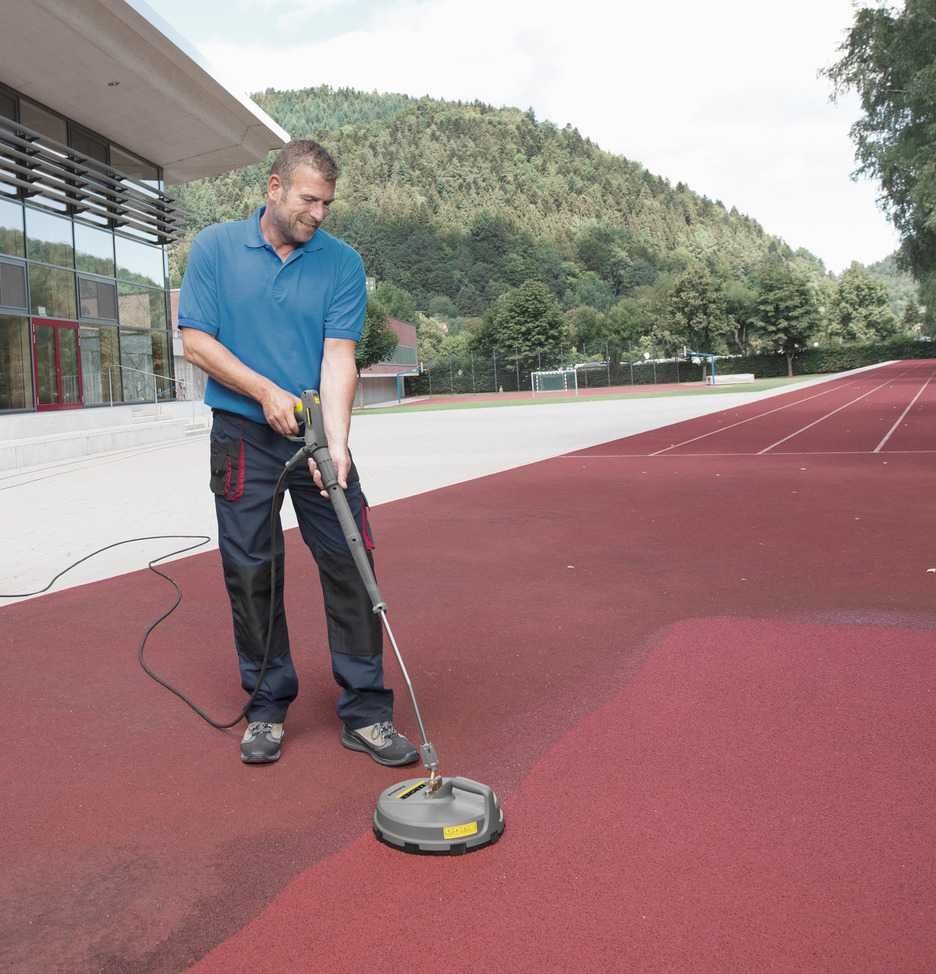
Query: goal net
{"points": [[557, 380]]}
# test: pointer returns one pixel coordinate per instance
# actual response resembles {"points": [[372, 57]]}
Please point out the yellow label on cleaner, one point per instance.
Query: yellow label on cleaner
{"points": [[460, 831], [412, 788]]}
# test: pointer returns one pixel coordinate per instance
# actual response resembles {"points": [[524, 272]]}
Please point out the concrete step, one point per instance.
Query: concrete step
{"points": [[43, 438], [34, 451]]}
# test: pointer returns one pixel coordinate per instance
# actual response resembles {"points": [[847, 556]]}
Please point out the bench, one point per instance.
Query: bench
{"points": [[726, 380]]}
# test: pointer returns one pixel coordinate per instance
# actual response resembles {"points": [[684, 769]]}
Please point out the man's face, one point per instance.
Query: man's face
{"points": [[298, 211]]}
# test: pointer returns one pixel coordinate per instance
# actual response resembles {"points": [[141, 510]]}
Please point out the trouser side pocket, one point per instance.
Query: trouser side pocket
{"points": [[227, 468]]}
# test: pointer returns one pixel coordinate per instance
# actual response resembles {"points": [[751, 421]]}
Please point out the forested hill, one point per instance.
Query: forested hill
{"points": [[457, 203]]}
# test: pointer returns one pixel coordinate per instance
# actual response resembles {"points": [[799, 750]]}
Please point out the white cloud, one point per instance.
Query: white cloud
{"points": [[723, 96]]}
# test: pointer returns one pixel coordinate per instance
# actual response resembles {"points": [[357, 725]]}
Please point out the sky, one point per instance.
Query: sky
{"points": [[723, 96]]}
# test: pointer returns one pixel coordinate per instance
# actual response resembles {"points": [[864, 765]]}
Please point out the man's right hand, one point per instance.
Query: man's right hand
{"points": [[279, 410]]}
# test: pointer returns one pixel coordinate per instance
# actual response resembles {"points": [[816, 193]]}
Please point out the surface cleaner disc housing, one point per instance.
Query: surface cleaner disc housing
{"points": [[461, 816]]}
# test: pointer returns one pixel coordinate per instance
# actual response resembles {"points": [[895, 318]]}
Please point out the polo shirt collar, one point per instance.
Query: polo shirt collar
{"points": [[256, 239]]}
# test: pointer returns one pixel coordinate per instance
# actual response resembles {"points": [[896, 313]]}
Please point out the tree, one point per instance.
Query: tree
{"points": [[588, 289], [442, 306], [378, 340], [524, 320], [860, 307], [912, 321], [397, 302], [587, 327], [631, 317], [698, 315], [740, 300], [889, 59], [601, 249], [430, 335], [786, 313]]}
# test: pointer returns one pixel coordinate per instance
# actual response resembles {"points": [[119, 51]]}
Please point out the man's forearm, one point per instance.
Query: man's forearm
{"points": [[222, 365], [338, 384]]}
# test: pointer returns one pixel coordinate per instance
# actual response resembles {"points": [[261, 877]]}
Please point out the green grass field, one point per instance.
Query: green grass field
{"points": [[456, 402]]}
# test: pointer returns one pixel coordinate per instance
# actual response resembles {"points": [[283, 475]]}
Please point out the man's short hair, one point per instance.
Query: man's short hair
{"points": [[304, 152]]}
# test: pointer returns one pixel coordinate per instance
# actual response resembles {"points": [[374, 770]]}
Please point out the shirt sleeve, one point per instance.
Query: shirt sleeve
{"points": [[345, 315], [198, 297]]}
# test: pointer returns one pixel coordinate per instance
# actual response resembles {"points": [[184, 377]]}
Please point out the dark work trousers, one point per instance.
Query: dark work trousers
{"points": [[247, 458]]}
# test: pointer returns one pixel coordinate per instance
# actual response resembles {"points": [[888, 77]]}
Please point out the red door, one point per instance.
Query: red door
{"points": [[56, 364]]}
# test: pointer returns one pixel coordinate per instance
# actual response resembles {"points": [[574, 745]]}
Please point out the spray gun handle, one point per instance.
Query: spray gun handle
{"points": [[316, 446]]}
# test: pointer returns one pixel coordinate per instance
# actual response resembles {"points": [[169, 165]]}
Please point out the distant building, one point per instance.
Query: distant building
{"points": [[384, 382], [102, 106]]}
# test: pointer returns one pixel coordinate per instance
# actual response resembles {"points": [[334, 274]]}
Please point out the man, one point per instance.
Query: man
{"points": [[272, 305]]}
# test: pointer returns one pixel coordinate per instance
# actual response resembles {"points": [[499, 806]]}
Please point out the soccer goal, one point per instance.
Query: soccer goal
{"points": [[557, 380]]}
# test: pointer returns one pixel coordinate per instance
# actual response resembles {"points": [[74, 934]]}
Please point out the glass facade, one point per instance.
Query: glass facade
{"points": [[94, 250], [97, 299], [140, 263], [13, 284], [12, 237], [100, 365], [16, 376], [83, 295], [51, 292]]}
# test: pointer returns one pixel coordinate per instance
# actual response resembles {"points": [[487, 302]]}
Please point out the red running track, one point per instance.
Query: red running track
{"points": [[703, 683]]}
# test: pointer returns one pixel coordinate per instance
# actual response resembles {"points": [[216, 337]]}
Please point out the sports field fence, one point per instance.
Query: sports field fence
{"points": [[606, 365]]}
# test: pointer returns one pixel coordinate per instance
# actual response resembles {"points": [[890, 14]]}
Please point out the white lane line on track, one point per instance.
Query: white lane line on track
{"points": [[778, 453], [750, 419], [890, 432], [821, 419]]}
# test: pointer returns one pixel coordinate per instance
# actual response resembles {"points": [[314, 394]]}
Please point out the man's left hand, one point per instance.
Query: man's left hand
{"points": [[342, 461]]}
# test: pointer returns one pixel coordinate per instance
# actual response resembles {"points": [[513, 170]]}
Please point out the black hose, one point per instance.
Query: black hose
{"points": [[202, 540]]}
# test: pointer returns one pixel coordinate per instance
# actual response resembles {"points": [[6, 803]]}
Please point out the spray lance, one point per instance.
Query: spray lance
{"points": [[315, 446], [434, 816]]}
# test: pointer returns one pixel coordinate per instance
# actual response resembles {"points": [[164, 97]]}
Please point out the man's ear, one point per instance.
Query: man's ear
{"points": [[274, 185]]}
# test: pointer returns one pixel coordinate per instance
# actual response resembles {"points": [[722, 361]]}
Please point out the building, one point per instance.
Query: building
{"points": [[383, 383], [102, 108]]}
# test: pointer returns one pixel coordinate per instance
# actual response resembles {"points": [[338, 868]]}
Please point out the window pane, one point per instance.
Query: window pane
{"points": [[164, 384], [7, 105], [139, 263], [89, 144], [12, 240], [12, 284], [15, 364], [43, 121], [51, 292], [97, 299], [134, 167], [47, 392], [142, 307], [68, 361], [144, 235], [100, 365], [49, 238], [91, 217], [136, 357], [94, 250]]}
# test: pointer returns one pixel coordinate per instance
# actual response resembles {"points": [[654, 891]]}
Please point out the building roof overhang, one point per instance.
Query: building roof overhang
{"points": [[167, 106]]}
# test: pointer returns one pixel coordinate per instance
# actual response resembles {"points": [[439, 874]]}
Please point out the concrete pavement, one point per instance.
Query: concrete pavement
{"points": [[52, 515]]}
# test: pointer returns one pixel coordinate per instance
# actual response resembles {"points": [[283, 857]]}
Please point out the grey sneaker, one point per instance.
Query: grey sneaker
{"points": [[383, 742], [262, 742]]}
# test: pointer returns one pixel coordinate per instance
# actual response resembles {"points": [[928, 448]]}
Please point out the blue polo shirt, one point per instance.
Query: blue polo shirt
{"points": [[273, 314]]}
